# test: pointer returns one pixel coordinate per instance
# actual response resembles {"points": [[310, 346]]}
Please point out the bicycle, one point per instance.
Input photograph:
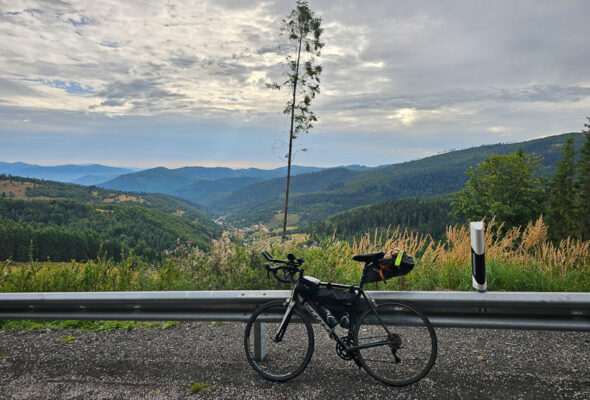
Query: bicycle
{"points": [[394, 342]]}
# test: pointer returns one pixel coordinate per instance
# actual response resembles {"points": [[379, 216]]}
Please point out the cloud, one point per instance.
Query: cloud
{"points": [[498, 129], [463, 70], [407, 116], [158, 53]]}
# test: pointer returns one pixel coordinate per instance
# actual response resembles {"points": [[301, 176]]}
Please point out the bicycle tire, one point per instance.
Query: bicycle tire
{"points": [[283, 360], [413, 341]]}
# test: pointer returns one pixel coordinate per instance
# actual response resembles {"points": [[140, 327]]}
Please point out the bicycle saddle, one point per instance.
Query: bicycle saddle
{"points": [[367, 258]]}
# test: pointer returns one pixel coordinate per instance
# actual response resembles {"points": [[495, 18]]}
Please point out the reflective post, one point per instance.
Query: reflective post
{"points": [[259, 341], [478, 262]]}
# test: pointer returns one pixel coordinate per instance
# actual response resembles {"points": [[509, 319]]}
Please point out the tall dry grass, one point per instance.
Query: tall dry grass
{"points": [[519, 259]]}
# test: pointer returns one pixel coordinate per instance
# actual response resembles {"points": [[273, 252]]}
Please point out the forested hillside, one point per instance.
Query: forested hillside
{"points": [[436, 175], [424, 216], [209, 192], [60, 221], [26, 188], [255, 195], [62, 230]]}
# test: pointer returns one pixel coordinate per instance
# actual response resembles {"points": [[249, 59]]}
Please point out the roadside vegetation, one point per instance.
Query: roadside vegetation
{"points": [[519, 259]]}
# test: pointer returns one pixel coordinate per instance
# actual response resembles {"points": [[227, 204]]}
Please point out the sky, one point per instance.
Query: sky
{"points": [[178, 83]]}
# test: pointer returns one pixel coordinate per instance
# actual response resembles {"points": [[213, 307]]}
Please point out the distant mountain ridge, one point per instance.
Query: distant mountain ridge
{"points": [[205, 185], [90, 174], [165, 180]]}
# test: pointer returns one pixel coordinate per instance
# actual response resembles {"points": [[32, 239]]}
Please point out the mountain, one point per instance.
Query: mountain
{"points": [[254, 195], [436, 175], [34, 189], [12, 168], [153, 180], [64, 221], [208, 192], [164, 180], [82, 174], [356, 167], [215, 173]]}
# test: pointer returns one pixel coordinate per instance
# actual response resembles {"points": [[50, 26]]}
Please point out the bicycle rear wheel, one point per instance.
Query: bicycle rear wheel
{"points": [[406, 354], [284, 360]]}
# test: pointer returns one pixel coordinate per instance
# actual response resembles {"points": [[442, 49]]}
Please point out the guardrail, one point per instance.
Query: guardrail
{"points": [[507, 310]]}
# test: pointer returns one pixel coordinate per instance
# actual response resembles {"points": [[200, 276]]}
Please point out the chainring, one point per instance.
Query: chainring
{"points": [[347, 355], [341, 350]]}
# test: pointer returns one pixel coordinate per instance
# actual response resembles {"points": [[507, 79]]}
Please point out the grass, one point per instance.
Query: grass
{"points": [[197, 387], [82, 326], [519, 260], [66, 339], [170, 324], [218, 323]]}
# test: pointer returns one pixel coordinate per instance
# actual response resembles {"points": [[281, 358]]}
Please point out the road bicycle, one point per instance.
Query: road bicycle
{"points": [[394, 342]]}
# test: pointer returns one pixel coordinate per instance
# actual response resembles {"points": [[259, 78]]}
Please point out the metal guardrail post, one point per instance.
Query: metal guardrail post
{"points": [[478, 261], [259, 341]]}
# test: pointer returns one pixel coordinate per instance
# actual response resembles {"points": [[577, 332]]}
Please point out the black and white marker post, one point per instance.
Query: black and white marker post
{"points": [[478, 261]]}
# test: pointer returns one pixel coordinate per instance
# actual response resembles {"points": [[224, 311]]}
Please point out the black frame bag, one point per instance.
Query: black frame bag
{"points": [[386, 268], [327, 296]]}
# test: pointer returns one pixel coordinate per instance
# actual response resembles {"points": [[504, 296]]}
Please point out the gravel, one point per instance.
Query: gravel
{"points": [[154, 363]]}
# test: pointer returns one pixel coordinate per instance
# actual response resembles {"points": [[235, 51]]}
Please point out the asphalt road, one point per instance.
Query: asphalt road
{"points": [[163, 364]]}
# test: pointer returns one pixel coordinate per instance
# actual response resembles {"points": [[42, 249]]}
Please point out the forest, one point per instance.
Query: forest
{"points": [[64, 230], [318, 196], [424, 216]]}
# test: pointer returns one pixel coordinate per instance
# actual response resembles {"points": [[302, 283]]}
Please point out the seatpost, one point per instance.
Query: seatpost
{"points": [[364, 276]]}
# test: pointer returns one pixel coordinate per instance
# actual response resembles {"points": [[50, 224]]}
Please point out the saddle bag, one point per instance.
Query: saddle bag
{"points": [[394, 263]]}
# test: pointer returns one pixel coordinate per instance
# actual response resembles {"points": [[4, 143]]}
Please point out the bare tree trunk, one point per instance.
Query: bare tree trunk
{"points": [[284, 236]]}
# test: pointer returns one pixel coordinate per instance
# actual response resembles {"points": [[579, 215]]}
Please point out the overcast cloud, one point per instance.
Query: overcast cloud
{"points": [[183, 82]]}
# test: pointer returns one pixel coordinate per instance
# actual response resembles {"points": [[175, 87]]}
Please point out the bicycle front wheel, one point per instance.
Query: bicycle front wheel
{"points": [[278, 360], [400, 355]]}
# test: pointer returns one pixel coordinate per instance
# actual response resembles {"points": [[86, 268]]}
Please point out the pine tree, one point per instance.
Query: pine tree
{"points": [[561, 215], [303, 31], [583, 186]]}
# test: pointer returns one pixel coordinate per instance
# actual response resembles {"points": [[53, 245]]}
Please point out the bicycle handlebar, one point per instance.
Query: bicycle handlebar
{"points": [[289, 269]]}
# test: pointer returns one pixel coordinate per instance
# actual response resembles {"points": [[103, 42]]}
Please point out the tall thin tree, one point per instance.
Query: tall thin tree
{"points": [[303, 31]]}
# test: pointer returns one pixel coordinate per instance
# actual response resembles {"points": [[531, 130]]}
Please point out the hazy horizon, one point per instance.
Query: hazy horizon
{"points": [[236, 165]]}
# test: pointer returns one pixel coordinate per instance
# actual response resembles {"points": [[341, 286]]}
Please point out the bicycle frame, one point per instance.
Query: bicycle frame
{"points": [[366, 327], [295, 300]]}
